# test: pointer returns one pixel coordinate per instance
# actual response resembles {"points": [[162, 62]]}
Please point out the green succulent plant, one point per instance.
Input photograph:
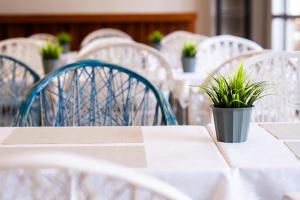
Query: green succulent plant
{"points": [[189, 49], [238, 91], [64, 38], [156, 37], [51, 51]]}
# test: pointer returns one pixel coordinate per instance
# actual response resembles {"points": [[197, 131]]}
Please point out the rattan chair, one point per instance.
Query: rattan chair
{"points": [[92, 93]]}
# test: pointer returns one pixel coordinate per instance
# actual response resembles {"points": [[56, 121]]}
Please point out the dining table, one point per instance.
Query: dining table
{"points": [[189, 158]]}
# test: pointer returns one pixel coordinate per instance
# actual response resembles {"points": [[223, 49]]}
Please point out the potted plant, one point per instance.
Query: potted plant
{"points": [[188, 58], [50, 53], [233, 100], [64, 39], [155, 38]]}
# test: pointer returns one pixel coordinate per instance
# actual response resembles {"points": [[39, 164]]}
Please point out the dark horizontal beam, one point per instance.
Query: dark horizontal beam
{"points": [[286, 16]]}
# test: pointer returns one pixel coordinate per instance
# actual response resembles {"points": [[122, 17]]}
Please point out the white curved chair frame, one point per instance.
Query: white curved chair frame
{"points": [[44, 37], [215, 50], [26, 50], [101, 42], [282, 72], [173, 43], [87, 170], [141, 58], [199, 101], [104, 33]]}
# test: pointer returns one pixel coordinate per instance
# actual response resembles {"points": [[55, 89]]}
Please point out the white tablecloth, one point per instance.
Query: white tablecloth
{"points": [[263, 167], [189, 158]]}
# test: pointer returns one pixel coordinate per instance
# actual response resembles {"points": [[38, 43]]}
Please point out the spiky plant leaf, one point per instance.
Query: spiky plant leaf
{"points": [[238, 91]]}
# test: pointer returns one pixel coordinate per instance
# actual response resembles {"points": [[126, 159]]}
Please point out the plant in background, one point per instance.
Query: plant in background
{"points": [[188, 57], [51, 51], [64, 38], [239, 91], [156, 37], [189, 50]]}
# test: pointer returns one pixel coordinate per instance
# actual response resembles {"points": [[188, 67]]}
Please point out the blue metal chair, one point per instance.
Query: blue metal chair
{"points": [[16, 78], [93, 93]]}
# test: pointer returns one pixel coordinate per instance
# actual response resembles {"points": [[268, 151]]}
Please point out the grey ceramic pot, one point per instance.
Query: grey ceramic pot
{"points": [[232, 124], [157, 45], [50, 65], [66, 47], [188, 64]]}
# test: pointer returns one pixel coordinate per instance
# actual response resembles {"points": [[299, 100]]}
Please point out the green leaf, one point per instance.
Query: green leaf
{"points": [[236, 91]]}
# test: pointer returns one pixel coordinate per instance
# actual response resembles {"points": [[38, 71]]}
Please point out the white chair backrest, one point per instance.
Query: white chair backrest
{"points": [[215, 50], [44, 37], [101, 42], [173, 43], [26, 50], [281, 70], [199, 101], [57, 175], [104, 33], [140, 58]]}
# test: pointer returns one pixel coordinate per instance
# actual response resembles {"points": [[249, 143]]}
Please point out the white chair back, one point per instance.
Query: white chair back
{"points": [[49, 175], [173, 43], [140, 58], [104, 33], [199, 101], [213, 51], [281, 70], [26, 50], [44, 37]]}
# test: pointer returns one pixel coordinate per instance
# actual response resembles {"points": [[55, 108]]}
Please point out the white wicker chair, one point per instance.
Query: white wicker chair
{"points": [[282, 72], [49, 175], [26, 50], [138, 57], [215, 50], [199, 105], [173, 43], [104, 33], [101, 42], [44, 37]]}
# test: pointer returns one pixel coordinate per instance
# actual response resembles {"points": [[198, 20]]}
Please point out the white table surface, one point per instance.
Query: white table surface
{"points": [[263, 167], [185, 157], [189, 158]]}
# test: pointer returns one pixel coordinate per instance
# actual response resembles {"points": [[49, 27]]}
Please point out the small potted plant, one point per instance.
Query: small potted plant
{"points": [[50, 53], [64, 39], [233, 100], [188, 58], [155, 38]]}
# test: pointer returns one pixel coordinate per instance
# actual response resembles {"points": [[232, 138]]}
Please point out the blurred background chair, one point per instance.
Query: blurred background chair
{"points": [[26, 50], [50, 175], [140, 58], [199, 101], [44, 37], [173, 43], [16, 78], [104, 33], [213, 51], [281, 70], [92, 93]]}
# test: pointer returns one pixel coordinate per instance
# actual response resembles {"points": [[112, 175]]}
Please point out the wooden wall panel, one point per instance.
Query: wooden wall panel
{"points": [[137, 25]]}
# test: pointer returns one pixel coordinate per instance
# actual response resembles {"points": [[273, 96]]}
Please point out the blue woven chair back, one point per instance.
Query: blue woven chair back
{"points": [[16, 79], [92, 93]]}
